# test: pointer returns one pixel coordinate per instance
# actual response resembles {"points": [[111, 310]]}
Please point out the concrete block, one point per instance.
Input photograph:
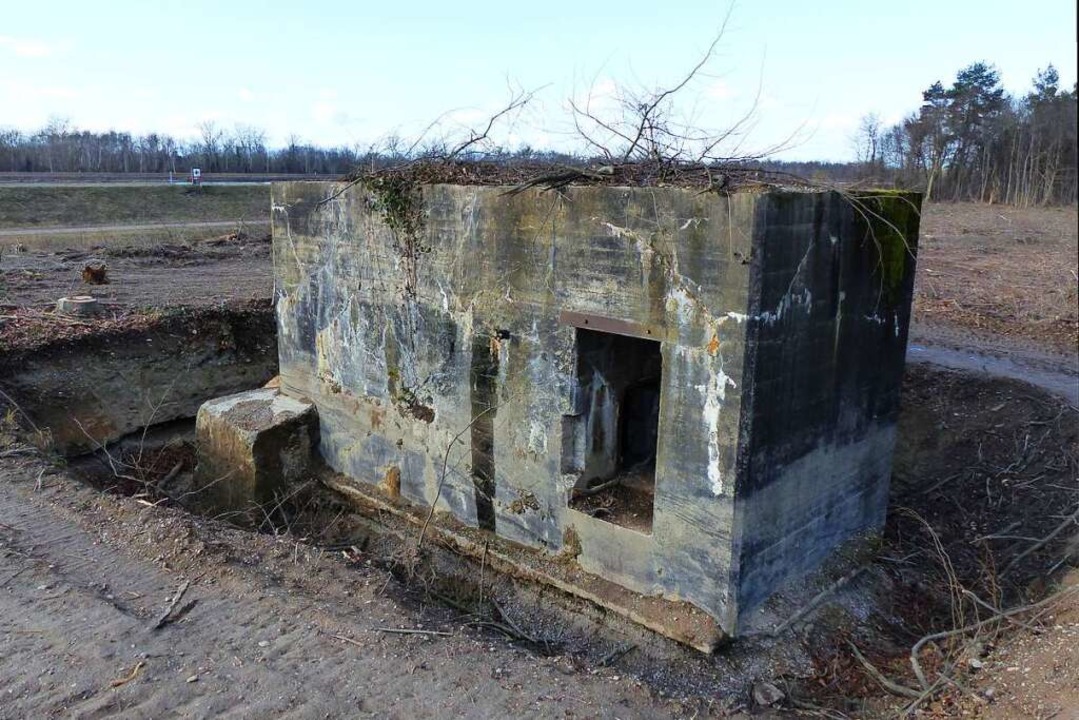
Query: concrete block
{"points": [[252, 445], [78, 305]]}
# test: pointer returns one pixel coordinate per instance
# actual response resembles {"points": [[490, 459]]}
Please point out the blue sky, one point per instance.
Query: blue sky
{"points": [[352, 72]]}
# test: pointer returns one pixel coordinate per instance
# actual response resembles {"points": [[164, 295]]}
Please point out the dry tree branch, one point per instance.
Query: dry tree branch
{"points": [[917, 648], [861, 204], [645, 127], [587, 113], [11, 401], [103, 448], [518, 101], [442, 475], [955, 587], [1071, 519], [422, 135], [889, 685], [648, 110]]}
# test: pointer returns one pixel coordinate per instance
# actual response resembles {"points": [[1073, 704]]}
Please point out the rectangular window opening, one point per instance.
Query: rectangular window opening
{"points": [[613, 437]]}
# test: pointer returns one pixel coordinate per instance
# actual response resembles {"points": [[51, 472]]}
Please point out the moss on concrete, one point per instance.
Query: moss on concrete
{"points": [[889, 220]]}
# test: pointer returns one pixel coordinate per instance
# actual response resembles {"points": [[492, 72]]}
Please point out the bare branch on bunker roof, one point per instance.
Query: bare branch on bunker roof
{"points": [[650, 109], [646, 126], [425, 153], [634, 136], [517, 102]]}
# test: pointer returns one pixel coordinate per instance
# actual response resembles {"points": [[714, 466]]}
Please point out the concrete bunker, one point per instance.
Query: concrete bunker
{"points": [[690, 394]]}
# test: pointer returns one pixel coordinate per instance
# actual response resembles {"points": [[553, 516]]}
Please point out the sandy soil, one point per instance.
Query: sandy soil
{"points": [[998, 271], [295, 624], [277, 628], [1037, 675]]}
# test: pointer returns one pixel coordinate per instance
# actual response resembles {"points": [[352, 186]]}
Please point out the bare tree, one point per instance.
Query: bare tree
{"points": [[211, 137], [867, 141]]}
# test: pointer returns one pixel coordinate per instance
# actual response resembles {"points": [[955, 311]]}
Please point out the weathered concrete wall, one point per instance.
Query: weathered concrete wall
{"points": [[826, 338], [436, 330]]}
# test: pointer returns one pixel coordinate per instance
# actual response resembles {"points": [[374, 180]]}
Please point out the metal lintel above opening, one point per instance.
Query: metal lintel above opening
{"points": [[609, 325]]}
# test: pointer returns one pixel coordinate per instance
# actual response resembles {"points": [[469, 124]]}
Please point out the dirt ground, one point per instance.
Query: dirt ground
{"points": [[1000, 273], [294, 625], [202, 273], [301, 620], [278, 628]]}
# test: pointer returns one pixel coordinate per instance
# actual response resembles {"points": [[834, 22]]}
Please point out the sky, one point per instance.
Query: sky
{"points": [[353, 72]]}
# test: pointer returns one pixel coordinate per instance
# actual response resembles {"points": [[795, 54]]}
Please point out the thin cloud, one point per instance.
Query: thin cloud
{"points": [[720, 90], [26, 47], [840, 121]]}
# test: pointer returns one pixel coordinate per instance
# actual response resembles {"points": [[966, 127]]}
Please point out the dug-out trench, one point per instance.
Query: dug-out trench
{"points": [[105, 378], [979, 462]]}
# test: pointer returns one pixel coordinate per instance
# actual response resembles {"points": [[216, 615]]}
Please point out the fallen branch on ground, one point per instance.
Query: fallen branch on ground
{"points": [[408, 631], [1041, 543], [130, 676], [18, 451], [816, 601], [164, 619], [616, 655], [916, 650], [349, 640], [889, 685]]}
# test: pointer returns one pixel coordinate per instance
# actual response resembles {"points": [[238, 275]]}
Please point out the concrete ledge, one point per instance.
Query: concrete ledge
{"points": [[252, 445], [678, 620]]}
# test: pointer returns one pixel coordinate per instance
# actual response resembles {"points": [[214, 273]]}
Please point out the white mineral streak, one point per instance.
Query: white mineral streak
{"points": [[683, 302], [788, 302], [695, 222], [502, 347], [714, 393], [445, 297]]}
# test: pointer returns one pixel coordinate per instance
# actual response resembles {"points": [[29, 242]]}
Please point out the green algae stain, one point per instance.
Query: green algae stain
{"points": [[889, 220]]}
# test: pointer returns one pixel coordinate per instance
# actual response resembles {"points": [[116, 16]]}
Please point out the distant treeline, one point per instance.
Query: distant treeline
{"points": [[967, 141], [972, 141], [59, 147]]}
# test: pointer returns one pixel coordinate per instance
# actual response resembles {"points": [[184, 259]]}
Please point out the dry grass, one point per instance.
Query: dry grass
{"points": [[26, 206], [44, 240]]}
